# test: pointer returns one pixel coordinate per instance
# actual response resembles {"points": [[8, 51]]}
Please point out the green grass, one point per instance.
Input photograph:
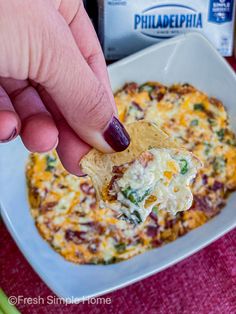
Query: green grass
{"points": [[5, 306]]}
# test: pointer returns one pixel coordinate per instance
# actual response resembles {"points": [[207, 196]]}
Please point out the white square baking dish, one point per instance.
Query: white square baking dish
{"points": [[188, 58]]}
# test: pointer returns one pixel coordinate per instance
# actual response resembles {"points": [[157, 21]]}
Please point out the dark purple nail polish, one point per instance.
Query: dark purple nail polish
{"points": [[116, 135], [13, 134]]}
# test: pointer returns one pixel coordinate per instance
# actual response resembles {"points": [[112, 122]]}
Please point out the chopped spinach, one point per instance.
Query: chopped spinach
{"points": [[199, 107], [146, 87], [208, 148], [127, 191], [133, 220], [218, 164], [136, 213], [130, 195], [211, 121], [155, 210], [183, 166], [221, 134], [120, 247], [124, 217], [194, 122], [51, 163], [231, 142], [133, 196]]}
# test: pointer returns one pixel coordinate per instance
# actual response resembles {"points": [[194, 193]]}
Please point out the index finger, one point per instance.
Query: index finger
{"points": [[88, 43]]}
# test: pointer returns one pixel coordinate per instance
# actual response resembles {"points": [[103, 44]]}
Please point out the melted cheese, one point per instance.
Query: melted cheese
{"points": [[86, 233], [161, 182]]}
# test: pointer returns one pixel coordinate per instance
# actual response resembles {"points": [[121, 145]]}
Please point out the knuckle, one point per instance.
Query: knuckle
{"points": [[95, 107], [97, 96]]}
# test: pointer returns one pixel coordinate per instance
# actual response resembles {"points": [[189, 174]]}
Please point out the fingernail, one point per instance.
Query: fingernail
{"points": [[116, 135], [13, 134], [55, 146]]}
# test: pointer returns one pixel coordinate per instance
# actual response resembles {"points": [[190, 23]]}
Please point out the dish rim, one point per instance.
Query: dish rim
{"points": [[43, 275]]}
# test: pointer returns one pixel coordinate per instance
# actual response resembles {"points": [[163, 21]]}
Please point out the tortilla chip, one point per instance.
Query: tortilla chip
{"points": [[144, 135]]}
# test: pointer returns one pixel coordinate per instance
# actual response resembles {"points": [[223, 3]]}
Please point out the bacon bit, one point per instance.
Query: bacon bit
{"points": [[77, 237], [160, 96], [119, 170], [158, 92], [204, 179], [155, 90], [153, 215], [34, 191], [87, 188], [62, 186], [93, 205], [34, 197], [94, 226], [136, 105], [152, 231], [170, 223], [210, 114], [156, 243], [92, 191], [182, 89], [108, 191], [84, 199], [47, 224], [182, 230], [216, 102], [131, 88], [220, 205], [56, 229], [88, 224], [203, 203], [48, 206], [99, 228], [217, 186], [144, 158]]}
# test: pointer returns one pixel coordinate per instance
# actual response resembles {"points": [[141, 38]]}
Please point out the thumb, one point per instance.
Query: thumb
{"points": [[81, 98]]}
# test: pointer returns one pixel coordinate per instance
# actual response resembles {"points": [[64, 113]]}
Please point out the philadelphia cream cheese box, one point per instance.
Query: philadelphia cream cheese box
{"points": [[126, 26]]}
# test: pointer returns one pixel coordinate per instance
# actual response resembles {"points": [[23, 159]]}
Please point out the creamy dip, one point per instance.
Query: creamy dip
{"points": [[158, 178]]}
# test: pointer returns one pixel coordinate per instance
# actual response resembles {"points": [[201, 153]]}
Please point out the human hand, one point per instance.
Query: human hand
{"points": [[54, 88]]}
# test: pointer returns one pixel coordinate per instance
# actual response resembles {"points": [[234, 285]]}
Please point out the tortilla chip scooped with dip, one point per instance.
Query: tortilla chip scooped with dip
{"points": [[152, 171]]}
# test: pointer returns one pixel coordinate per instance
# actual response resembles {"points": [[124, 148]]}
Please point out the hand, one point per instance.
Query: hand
{"points": [[54, 88]]}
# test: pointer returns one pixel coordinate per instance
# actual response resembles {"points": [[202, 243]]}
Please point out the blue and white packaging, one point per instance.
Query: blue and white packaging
{"points": [[126, 26]]}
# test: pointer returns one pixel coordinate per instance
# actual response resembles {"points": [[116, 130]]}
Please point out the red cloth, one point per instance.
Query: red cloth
{"points": [[202, 283]]}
